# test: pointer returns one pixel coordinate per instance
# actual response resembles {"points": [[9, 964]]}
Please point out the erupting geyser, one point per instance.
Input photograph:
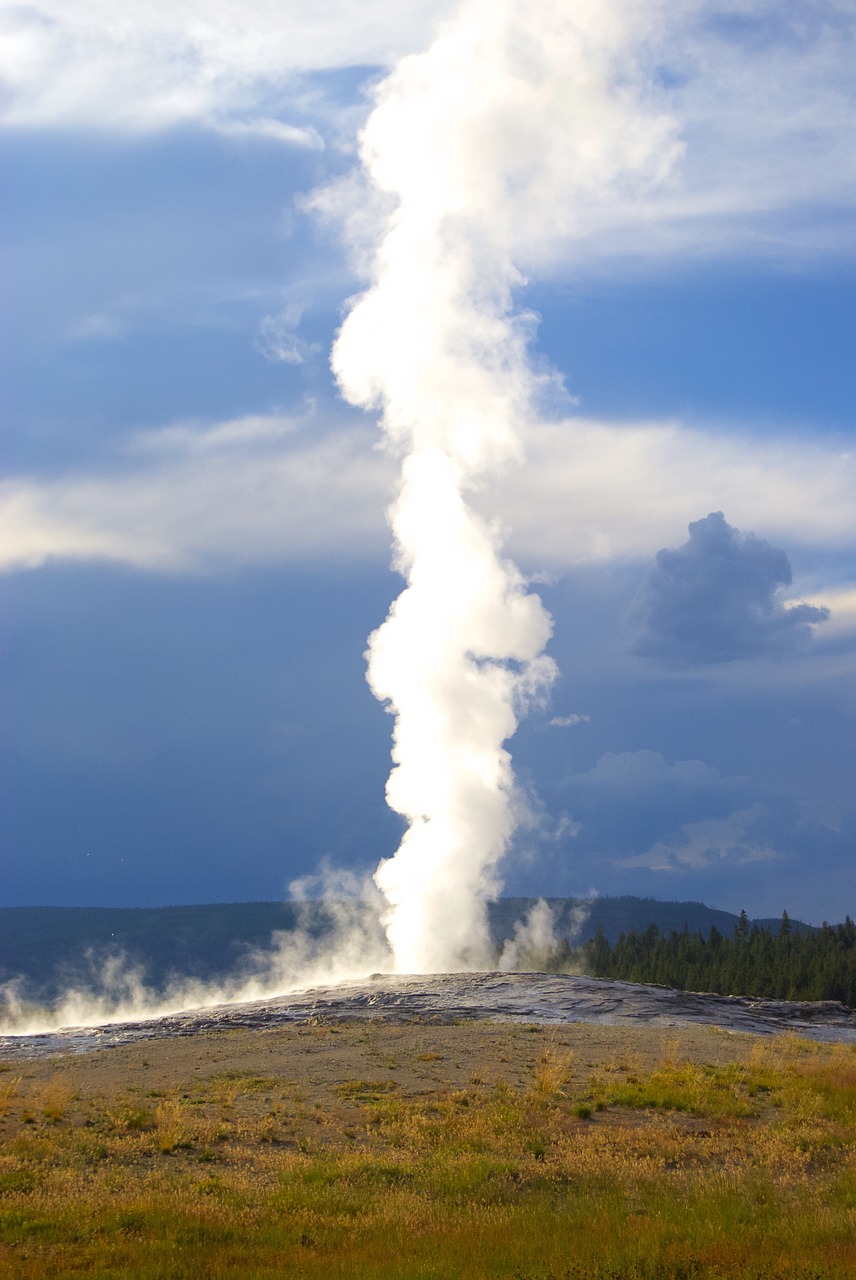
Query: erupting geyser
{"points": [[486, 153]]}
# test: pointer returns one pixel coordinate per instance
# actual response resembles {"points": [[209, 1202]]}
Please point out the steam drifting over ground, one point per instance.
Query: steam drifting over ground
{"points": [[337, 939]]}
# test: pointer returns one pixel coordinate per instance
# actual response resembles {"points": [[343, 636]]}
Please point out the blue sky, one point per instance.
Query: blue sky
{"points": [[194, 543]]}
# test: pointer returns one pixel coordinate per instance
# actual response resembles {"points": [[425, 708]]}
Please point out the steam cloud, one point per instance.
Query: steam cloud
{"points": [[338, 937], [521, 127], [486, 152]]}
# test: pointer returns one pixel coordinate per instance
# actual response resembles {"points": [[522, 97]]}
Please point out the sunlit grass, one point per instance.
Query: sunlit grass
{"points": [[678, 1171]]}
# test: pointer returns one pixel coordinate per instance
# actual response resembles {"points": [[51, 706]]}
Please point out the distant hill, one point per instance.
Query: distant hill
{"points": [[52, 948]]}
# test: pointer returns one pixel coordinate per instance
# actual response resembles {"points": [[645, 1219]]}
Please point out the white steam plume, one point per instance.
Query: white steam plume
{"points": [[491, 149], [532, 942], [337, 938]]}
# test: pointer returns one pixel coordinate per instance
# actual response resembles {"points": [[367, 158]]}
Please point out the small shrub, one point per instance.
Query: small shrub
{"points": [[17, 1181], [8, 1092], [171, 1132], [56, 1095], [551, 1074], [137, 1119]]}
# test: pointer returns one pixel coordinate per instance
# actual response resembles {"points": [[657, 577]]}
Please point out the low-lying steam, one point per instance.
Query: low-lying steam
{"points": [[337, 937]]}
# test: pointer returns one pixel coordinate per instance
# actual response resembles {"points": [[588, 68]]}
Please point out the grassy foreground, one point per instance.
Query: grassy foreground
{"points": [[549, 1160]]}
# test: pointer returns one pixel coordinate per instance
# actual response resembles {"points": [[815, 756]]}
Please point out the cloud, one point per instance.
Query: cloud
{"points": [[643, 818], [270, 488], [191, 499], [641, 771], [99, 326], [762, 93], [631, 799], [279, 340], [595, 490], [637, 809], [183, 439], [705, 842], [718, 599], [841, 603], [148, 64], [565, 722], [276, 130]]}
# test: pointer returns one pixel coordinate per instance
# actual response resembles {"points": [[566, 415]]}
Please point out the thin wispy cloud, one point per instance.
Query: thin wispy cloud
{"points": [[761, 95], [148, 64], [565, 722], [275, 130], [600, 491], [195, 499], [268, 488], [708, 841]]}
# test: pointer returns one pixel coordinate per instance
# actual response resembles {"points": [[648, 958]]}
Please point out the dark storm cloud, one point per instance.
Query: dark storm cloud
{"points": [[717, 599]]}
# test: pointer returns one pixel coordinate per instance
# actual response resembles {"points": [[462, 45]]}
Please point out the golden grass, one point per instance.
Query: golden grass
{"points": [[55, 1098], [9, 1087], [625, 1168]]}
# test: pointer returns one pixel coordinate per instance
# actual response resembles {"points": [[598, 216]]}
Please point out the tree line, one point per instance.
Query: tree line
{"points": [[779, 964]]}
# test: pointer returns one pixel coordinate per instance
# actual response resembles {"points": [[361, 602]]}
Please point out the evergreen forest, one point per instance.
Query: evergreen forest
{"points": [[782, 963]]}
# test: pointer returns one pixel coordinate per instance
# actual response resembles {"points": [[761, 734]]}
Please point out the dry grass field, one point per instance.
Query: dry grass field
{"points": [[476, 1150]]}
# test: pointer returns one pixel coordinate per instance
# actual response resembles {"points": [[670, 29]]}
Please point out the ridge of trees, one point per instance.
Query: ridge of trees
{"points": [[758, 961]]}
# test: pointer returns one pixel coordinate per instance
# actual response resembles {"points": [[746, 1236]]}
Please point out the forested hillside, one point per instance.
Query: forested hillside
{"points": [[780, 963]]}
